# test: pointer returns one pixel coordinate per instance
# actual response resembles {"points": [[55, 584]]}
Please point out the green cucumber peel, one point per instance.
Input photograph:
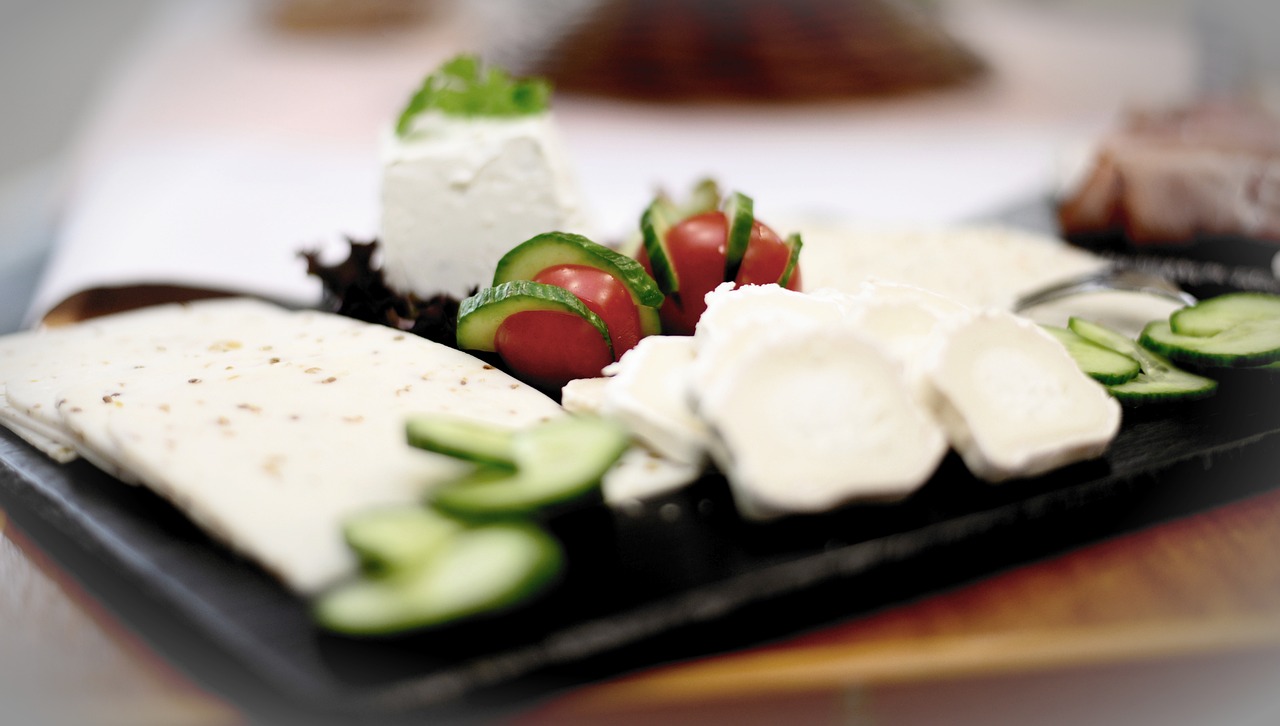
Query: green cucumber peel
{"points": [[464, 87], [739, 213], [705, 197], [1159, 381], [1248, 344], [1104, 365], [477, 571], [462, 439], [389, 539], [656, 221], [557, 462], [1215, 315], [480, 315], [794, 243], [527, 259]]}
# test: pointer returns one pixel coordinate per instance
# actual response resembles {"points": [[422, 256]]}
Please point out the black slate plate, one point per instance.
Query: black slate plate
{"points": [[679, 577]]}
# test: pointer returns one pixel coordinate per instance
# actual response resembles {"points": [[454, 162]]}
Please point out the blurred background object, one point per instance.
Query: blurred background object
{"points": [[54, 57], [1239, 55], [346, 15], [743, 50]]}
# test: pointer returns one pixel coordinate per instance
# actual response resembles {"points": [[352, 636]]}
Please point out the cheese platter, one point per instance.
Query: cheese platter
{"points": [[455, 502]]}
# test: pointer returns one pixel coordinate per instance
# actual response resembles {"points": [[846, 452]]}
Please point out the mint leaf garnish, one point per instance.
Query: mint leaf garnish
{"points": [[462, 86]]}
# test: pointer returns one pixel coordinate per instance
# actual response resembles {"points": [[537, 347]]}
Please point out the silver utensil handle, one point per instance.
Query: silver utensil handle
{"points": [[1110, 279]]}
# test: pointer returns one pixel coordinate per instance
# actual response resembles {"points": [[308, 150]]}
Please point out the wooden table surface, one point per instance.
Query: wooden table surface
{"points": [[1174, 624]]}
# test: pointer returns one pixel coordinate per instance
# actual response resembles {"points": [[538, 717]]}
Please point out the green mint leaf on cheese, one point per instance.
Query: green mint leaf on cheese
{"points": [[464, 87]]}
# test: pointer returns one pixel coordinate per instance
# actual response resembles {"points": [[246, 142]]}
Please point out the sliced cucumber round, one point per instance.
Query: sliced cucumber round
{"points": [[1215, 315], [1159, 381], [480, 315], [1166, 385], [556, 462], [704, 197], [794, 244], [1250, 343], [462, 439], [396, 538], [739, 212], [477, 571], [656, 221], [1098, 362], [528, 258]]}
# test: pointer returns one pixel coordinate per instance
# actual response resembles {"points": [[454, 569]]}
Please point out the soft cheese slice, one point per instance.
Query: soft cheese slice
{"points": [[736, 317], [813, 418], [458, 193], [1012, 400], [271, 458], [583, 395], [904, 318], [641, 474], [648, 391]]}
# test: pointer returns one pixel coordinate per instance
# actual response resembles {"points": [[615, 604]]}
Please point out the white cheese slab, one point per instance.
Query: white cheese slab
{"points": [[271, 438], [982, 266], [272, 461], [457, 194], [47, 360]]}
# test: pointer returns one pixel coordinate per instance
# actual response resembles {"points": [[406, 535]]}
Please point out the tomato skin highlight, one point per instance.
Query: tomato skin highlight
{"points": [[547, 348], [766, 259], [604, 295], [697, 249]]}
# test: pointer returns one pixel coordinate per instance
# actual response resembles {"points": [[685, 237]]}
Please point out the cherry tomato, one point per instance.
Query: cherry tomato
{"points": [[697, 249], [548, 348], [605, 296], [766, 259]]}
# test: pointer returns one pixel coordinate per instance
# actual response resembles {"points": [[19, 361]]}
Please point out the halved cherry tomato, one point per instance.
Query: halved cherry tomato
{"points": [[697, 249], [605, 296], [766, 259], [547, 349]]}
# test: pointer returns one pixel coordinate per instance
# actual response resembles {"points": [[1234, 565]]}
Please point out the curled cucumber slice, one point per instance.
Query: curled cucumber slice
{"points": [[555, 463], [1100, 363], [396, 538], [1250, 343], [478, 570], [462, 439], [480, 315], [536, 254], [1159, 381], [740, 217], [656, 221], [1215, 315], [794, 244]]}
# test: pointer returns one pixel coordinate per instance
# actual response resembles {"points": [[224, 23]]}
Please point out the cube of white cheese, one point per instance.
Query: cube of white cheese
{"points": [[458, 193]]}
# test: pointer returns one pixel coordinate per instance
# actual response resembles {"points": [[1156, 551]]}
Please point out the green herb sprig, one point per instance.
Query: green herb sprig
{"points": [[464, 87]]}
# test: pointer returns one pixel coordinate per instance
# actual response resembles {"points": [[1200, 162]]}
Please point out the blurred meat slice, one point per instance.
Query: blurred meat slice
{"points": [[1205, 170]]}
